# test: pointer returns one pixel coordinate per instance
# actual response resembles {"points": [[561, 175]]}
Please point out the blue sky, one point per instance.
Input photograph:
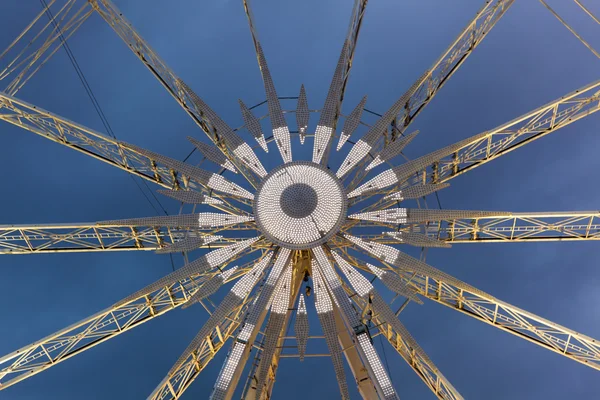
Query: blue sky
{"points": [[527, 60]]}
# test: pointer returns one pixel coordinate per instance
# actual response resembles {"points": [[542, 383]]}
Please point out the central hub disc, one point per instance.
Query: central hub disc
{"points": [[300, 205], [299, 200]]}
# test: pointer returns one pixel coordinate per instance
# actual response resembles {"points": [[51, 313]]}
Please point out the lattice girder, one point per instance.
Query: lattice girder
{"points": [[32, 50], [518, 227], [186, 98], [232, 300], [451, 161], [451, 60], [246, 336], [86, 140], [102, 326], [451, 292], [173, 385], [388, 324], [86, 237]]}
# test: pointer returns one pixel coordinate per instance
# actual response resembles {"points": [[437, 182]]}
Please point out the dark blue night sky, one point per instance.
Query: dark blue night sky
{"points": [[527, 60]]}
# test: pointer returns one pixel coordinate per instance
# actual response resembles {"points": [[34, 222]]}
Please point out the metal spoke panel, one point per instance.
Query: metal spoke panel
{"points": [[214, 127], [175, 384], [450, 61], [514, 228], [105, 325], [451, 292], [422, 365], [85, 140], [72, 238], [456, 159]]}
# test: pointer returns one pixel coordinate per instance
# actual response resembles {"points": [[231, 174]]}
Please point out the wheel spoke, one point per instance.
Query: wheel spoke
{"points": [[301, 327], [514, 227], [232, 301], [302, 114], [417, 215], [253, 125], [85, 140], [238, 152], [441, 287], [280, 130], [86, 237], [324, 308], [390, 326], [210, 180], [213, 154], [274, 330], [456, 159], [195, 221], [351, 123], [105, 325], [189, 243], [31, 55], [370, 358], [330, 111], [237, 357], [451, 60]]}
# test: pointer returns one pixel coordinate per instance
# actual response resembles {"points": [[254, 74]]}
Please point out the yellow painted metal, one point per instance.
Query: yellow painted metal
{"points": [[515, 228], [105, 325], [301, 263]]}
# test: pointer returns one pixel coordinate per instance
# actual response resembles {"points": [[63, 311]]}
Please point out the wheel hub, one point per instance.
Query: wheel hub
{"points": [[300, 205]]}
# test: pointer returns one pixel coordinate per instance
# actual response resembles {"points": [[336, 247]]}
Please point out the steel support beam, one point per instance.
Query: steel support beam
{"points": [[187, 99], [422, 365], [32, 49], [300, 262], [516, 228], [365, 386], [85, 237], [356, 19], [177, 382], [454, 160], [92, 143], [449, 62], [448, 291], [105, 325]]}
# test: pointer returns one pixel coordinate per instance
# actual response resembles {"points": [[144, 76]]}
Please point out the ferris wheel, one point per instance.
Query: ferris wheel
{"points": [[326, 235]]}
